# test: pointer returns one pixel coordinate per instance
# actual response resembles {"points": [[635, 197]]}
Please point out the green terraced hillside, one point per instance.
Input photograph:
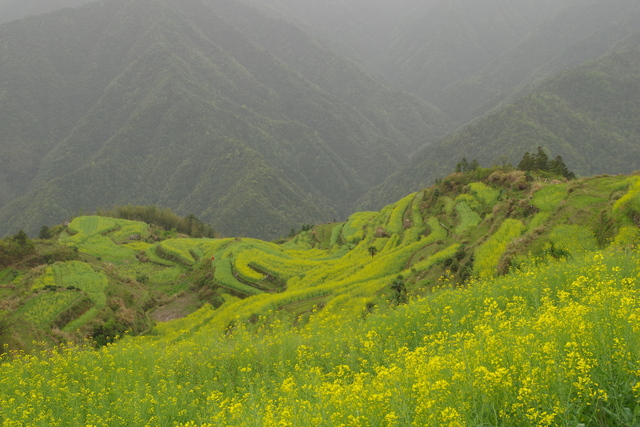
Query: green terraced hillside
{"points": [[492, 298], [127, 275]]}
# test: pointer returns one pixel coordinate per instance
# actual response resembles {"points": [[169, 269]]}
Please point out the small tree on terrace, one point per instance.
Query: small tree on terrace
{"points": [[45, 233], [399, 289], [6, 324]]}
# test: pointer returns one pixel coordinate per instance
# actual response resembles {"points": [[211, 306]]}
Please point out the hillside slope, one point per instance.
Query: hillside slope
{"points": [[474, 225], [453, 41], [515, 299], [17, 9], [582, 31], [586, 114], [242, 120]]}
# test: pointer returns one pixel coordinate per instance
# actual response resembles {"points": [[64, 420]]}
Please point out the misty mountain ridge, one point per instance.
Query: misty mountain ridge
{"points": [[467, 56], [211, 113], [587, 115], [236, 114]]}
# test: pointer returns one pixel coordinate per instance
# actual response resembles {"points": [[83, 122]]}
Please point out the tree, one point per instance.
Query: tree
{"points": [[373, 251], [399, 289], [558, 167], [526, 164], [541, 160], [6, 323], [20, 238], [462, 166], [45, 233]]}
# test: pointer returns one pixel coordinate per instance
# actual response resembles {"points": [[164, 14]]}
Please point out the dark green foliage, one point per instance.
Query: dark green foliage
{"points": [[6, 324], [558, 167], [164, 218], [463, 166], [15, 248], [399, 289], [540, 162], [107, 332], [45, 233]]}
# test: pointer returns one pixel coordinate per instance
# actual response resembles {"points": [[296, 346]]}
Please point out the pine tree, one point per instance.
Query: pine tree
{"points": [[526, 164], [541, 160], [462, 166]]}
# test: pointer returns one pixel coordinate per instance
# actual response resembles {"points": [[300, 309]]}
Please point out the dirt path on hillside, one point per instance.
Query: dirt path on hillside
{"points": [[176, 309]]}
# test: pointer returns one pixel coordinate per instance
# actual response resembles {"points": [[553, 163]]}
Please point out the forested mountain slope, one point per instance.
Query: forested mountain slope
{"points": [[209, 109], [587, 115], [467, 56], [582, 31], [454, 40], [16, 9], [362, 28]]}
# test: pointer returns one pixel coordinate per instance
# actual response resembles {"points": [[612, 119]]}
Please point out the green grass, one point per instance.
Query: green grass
{"points": [[489, 196], [488, 254], [468, 218], [86, 226], [77, 274], [548, 198], [225, 278], [43, 308]]}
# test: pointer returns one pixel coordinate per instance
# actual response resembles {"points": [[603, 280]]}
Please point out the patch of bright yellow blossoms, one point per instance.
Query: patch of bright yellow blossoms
{"points": [[553, 345]]}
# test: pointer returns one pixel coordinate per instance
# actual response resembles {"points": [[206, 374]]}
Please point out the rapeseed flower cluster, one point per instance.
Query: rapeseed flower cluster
{"points": [[553, 345]]}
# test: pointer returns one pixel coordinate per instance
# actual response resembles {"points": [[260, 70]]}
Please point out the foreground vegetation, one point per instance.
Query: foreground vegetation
{"points": [[522, 308]]}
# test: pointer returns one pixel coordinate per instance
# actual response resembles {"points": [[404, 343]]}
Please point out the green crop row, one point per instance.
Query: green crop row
{"points": [[241, 265], [548, 198], [629, 204], [467, 216], [488, 195], [573, 239], [488, 254], [127, 228], [78, 275], [91, 225], [224, 276], [353, 229], [396, 219], [44, 307], [434, 259]]}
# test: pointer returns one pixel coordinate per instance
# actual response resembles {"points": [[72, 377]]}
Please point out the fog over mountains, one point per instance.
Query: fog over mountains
{"points": [[260, 115]]}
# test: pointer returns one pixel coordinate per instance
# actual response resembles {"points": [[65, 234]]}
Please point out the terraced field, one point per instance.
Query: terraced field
{"points": [[447, 234], [501, 302]]}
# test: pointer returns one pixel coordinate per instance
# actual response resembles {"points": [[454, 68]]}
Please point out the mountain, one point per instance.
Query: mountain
{"points": [[11, 10], [466, 56], [582, 31], [211, 109], [364, 29], [587, 115], [453, 40]]}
